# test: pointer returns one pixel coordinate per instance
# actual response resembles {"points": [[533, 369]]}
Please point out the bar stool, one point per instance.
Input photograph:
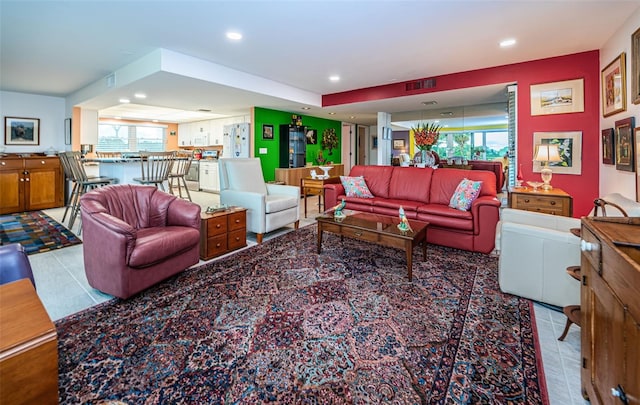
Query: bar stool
{"points": [[181, 166], [82, 182], [156, 167]]}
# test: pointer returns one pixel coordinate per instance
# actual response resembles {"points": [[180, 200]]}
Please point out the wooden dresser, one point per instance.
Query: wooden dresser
{"points": [[30, 183], [610, 304], [555, 201], [222, 232], [28, 347]]}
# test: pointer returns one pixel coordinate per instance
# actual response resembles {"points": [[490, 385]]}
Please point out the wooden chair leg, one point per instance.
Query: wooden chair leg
{"points": [[259, 237], [296, 224], [566, 330]]}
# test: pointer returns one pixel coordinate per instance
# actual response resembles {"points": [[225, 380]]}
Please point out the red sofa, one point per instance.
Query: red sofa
{"points": [[424, 193], [135, 236]]}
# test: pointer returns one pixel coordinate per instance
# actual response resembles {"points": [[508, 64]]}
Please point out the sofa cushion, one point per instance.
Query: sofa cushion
{"points": [[410, 183], [355, 187], [154, 245], [465, 193], [446, 217], [445, 181], [377, 178]]}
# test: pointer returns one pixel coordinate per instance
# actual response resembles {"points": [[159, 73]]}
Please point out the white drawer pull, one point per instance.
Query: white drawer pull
{"points": [[588, 246]]}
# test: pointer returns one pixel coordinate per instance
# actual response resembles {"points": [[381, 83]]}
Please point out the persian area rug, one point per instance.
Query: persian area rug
{"points": [[36, 231], [279, 323]]}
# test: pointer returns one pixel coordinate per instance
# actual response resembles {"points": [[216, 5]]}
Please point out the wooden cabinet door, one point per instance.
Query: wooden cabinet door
{"points": [[11, 190], [43, 184], [607, 345], [632, 357]]}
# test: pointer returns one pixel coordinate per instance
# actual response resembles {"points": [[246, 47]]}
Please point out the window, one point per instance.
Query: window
{"points": [[491, 144], [116, 137]]}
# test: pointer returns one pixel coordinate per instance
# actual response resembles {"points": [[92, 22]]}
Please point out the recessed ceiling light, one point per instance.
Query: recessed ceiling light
{"points": [[118, 118], [140, 95], [352, 117], [236, 36], [125, 100], [431, 102], [332, 113], [155, 120], [446, 114], [507, 42], [306, 108], [334, 78]]}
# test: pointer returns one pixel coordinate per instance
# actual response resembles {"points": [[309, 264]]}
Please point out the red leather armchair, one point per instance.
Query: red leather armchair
{"points": [[136, 236]]}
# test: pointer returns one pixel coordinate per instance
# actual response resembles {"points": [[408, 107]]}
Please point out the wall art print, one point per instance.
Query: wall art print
{"points": [[557, 97], [570, 147], [614, 88], [21, 131], [625, 144]]}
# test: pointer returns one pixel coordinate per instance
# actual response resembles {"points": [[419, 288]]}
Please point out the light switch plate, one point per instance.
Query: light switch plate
{"points": [[263, 151]]}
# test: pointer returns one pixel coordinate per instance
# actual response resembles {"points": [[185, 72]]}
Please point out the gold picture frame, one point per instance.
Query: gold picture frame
{"points": [[624, 144], [635, 67], [570, 147], [557, 97], [614, 87]]}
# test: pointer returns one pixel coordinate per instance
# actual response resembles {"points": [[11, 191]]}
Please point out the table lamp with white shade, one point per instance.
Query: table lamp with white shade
{"points": [[546, 153]]}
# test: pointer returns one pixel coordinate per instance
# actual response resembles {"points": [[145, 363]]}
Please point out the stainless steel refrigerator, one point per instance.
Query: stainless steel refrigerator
{"points": [[293, 146]]}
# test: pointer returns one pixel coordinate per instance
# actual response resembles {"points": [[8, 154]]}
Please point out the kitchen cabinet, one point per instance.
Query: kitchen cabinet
{"points": [[194, 133], [610, 338], [30, 183], [209, 178]]}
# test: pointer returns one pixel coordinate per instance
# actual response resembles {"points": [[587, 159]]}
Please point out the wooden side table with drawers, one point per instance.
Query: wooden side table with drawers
{"points": [[554, 201], [222, 231]]}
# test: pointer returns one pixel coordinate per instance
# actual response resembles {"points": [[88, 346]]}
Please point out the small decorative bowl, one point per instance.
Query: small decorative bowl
{"points": [[535, 184]]}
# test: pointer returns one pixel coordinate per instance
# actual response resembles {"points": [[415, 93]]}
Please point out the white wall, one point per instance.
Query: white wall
{"points": [[50, 111], [612, 180]]}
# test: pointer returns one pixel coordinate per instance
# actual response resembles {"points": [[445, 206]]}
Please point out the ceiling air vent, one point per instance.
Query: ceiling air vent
{"points": [[420, 84]]}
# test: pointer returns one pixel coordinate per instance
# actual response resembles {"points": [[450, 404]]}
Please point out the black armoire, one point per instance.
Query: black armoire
{"points": [[293, 146]]}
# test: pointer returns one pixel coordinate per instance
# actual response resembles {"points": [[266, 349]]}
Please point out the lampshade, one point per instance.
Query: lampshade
{"points": [[546, 152]]}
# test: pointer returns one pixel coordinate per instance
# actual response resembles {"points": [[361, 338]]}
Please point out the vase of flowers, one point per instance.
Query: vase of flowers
{"points": [[426, 135]]}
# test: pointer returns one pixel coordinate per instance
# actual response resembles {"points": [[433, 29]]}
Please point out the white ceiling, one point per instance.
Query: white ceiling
{"points": [[58, 48]]}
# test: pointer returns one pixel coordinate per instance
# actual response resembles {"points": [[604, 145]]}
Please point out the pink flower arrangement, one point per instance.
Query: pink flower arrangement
{"points": [[426, 135]]}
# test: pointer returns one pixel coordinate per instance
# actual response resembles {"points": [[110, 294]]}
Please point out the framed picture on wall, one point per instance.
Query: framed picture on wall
{"points": [[637, 163], [21, 131], [625, 145], [635, 67], [557, 97], [312, 136], [608, 151], [614, 88], [569, 146], [267, 131], [67, 131], [398, 144]]}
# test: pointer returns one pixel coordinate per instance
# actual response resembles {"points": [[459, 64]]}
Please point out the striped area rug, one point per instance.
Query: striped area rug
{"points": [[36, 231]]}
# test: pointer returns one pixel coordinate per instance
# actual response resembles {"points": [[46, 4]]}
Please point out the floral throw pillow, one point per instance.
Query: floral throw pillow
{"points": [[466, 192], [355, 187]]}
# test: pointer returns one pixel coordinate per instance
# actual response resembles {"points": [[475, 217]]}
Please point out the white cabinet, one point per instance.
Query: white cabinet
{"points": [[209, 180], [194, 133]]}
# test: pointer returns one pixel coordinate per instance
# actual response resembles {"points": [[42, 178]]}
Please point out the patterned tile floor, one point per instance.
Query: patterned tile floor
{"points": [[63, 289]]}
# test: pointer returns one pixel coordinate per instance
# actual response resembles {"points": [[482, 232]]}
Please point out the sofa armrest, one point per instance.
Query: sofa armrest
{"points": [[184, 213], [331, 193]]}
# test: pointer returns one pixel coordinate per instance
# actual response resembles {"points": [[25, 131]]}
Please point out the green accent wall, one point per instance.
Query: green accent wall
{"points": [[264, 116]]}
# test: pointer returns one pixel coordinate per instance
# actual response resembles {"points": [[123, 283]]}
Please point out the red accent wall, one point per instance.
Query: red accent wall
{"points": [[584, 188]]}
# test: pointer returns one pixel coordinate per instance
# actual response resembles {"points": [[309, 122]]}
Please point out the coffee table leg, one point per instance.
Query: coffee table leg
{"points": [[319, 238], [409, 249]]}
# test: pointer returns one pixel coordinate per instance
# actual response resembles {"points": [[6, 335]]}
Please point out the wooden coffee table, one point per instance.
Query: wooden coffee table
{"points": [[380, 229]]}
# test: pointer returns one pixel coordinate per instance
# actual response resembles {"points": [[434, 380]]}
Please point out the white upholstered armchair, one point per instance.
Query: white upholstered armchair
{"points": [[269, 206], [535, 250]]}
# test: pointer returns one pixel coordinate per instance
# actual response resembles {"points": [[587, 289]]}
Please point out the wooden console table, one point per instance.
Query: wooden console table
{"points": [[554, 201], [293, 176], [222, 232], [311, 186], [28, 347]]}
